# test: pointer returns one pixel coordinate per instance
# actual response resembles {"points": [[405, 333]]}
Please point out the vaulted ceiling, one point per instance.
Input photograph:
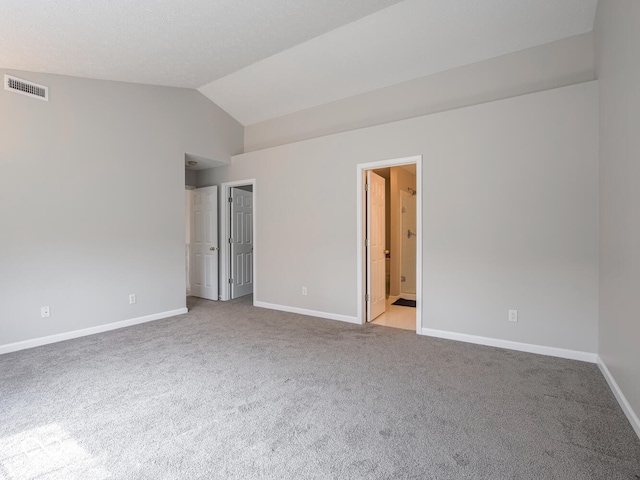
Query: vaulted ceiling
{"points": [[260, 59]]}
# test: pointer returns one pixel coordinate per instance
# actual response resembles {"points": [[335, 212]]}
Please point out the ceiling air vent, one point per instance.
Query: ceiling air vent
{"points": [[24, 87]]}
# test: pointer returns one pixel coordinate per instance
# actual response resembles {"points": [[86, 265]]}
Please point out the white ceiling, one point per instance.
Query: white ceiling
{"points": [[408, 40], [180, 43], [260, 59]]}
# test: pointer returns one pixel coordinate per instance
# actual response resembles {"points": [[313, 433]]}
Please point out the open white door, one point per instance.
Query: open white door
{"points": [[241, 242], [204, 243], [376, 290]]}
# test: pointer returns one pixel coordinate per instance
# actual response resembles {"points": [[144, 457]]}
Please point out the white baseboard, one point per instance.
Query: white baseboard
{"points": [[304, 311], [622, 400], [510, 345], [408, 296], [60, 337]]}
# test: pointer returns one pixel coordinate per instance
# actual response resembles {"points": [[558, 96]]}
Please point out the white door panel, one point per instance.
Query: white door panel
{"points": [[204, 243], [242, 242], [376, 288]]}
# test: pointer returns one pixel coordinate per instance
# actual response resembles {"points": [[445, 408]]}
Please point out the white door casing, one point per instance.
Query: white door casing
{"points": [[204, 243], [241, 242], [376, 288], [361, 227]]}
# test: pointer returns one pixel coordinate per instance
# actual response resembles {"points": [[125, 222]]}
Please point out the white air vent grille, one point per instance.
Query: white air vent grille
{"points": [[24, 87]]}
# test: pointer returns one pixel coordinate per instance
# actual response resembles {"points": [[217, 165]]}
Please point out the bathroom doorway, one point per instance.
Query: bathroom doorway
{"points": [[400, 307]]}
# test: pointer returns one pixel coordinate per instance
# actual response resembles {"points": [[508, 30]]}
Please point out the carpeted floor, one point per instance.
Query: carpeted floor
{"points": [[233, 391]]}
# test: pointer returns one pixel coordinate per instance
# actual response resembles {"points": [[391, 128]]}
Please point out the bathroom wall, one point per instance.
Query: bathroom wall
{"points": [[401, 179]]}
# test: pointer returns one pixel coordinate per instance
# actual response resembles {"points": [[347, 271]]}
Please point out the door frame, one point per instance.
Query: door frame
{"points": [[361, 233], [225, 230]]}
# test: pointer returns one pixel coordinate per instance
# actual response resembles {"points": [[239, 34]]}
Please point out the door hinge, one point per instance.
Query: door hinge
{"points": [[231, 280], [366, 298], [231, 240], [230, 200], [366, 187], [366, 242]]}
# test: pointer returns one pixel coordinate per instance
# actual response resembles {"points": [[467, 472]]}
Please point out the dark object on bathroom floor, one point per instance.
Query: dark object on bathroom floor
{"points": [[403, 302]]}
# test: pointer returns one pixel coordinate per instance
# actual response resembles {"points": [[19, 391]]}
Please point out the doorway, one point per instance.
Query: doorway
{"points": [[238, 239], [400, 280]]}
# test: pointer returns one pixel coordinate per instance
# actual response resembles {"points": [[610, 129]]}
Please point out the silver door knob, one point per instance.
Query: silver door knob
{"points": [[213, 248]]}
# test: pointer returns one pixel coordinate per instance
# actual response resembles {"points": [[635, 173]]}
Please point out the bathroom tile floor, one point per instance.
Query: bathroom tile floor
{"points": [[397, 317]]}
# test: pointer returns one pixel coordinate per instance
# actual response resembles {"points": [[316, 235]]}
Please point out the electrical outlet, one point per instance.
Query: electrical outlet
{"points": [[513, 315], [45, 312], [132, 298], [304, 290]]}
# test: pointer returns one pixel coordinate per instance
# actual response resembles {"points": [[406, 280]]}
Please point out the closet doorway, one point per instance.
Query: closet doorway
{"points": [[238, 239]]}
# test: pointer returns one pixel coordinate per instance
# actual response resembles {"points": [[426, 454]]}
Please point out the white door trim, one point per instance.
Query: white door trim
{"points": [[225, 229], [360, 251]]}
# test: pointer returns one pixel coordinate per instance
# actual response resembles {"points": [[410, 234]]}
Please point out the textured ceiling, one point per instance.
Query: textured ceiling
{"points": [[260, 59], [408, 40], [181, 43]]}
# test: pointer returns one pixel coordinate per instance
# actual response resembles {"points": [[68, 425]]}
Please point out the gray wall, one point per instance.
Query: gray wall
{"points": [[510, 216], [190, 177], [618, 65], [557, 64], [84, 223]]}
